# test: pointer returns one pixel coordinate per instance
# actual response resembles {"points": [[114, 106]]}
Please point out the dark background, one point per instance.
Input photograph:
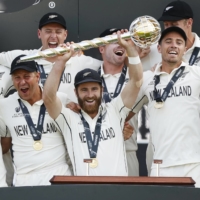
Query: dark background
{"points": [[86, 19]]}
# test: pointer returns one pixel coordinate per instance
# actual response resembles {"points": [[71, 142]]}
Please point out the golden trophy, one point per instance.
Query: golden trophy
{"points": [[144, 31]]}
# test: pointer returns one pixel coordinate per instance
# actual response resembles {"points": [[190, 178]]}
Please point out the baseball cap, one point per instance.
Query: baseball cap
{"points": [[173, 29], [30, 66], [87, 75], [52, 17], [109, 31], [175, 11]]}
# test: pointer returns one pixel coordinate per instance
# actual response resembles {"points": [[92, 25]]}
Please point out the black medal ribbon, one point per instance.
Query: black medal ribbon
{"points": [[43, 77], [93, 144], [35, 132], [106, 96], [163, 97], [194, 55]]}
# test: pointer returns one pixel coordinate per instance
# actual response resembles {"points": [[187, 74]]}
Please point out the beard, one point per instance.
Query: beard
{"points": [[90, 109]]}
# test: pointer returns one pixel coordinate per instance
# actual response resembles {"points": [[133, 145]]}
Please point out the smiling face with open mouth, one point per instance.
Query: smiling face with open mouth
{"points": [[172, 48], [26, 84], [89, 97], [113, 53], [52, 35]]}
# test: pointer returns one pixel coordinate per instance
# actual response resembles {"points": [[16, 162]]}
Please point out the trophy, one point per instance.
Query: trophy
{"points": [[144, 31]]}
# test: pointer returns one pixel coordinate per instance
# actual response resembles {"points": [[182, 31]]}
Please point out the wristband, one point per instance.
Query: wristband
{"points": [[134, 60]]}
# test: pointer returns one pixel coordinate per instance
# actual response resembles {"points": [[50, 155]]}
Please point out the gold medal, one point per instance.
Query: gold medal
{"points": [[37, 145], [159, 105], [94, 163]]}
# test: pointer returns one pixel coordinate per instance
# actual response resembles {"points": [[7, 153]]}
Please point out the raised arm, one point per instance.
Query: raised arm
{"points": [[131, 90], [51, 101]]}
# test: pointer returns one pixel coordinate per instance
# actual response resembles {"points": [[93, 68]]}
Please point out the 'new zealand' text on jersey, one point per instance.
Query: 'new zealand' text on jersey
{"points": [[111, 153], [13, 123], [175, 128]]}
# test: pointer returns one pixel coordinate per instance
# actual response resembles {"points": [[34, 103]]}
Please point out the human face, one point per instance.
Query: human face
{"points": [[26, 83], [89, 97], [185, 24], [52, 35], [172, 48], [113, 53]]}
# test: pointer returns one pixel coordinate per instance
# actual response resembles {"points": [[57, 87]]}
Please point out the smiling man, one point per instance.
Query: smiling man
{"points": [[114, 75], [94, 134], [38, 146], [172, 97]]}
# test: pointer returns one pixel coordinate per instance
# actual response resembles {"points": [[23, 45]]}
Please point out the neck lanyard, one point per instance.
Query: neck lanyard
{"points": [[93, 144], [35, 132], [160, 99], [106, 96], [43, 77], [194, 55]]}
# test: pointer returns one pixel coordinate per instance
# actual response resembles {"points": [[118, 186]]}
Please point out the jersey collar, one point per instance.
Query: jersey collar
{"points": [[158, 67]]}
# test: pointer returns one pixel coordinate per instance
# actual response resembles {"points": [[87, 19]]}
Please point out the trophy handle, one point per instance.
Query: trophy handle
{"points": [[144, 31]]}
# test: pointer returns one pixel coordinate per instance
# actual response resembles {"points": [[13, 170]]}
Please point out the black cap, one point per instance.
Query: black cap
{"points": [[176, 10], [30, 66], [52, 17], [173, 29], [87, 75], [109, 31]]}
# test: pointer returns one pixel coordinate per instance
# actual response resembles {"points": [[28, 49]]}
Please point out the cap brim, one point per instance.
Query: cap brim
{"points": [[88, 80], [170, 18], [25, 68]]}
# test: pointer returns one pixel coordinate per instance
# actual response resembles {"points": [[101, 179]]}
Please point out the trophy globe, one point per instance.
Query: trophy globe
{"points": [[145, 31]]}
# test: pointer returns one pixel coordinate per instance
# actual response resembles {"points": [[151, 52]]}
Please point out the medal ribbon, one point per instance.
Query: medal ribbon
{"points": [[106, 96], [194, 55], [43, 77], [92, 144], [163, 97], [35, 132]]}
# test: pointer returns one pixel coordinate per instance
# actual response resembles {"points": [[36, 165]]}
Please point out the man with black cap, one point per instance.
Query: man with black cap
{"points": [[180, 14], [172, 97], [94, 137], [38, 146], [114, 75]]}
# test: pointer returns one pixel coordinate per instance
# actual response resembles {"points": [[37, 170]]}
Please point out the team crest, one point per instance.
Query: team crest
{"points": [[52, 16], [85, 74]]}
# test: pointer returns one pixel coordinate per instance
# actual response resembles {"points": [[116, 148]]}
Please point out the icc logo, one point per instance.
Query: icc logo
{"points": [[52, 4]]}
